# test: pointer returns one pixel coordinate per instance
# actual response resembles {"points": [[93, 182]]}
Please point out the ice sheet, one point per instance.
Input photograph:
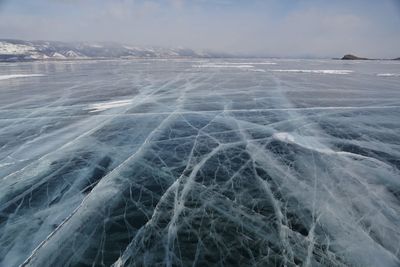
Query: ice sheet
{"points": [[157, 163]]}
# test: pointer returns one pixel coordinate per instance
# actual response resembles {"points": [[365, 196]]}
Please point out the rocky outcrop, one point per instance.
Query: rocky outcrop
{"points": [[353, 57]]}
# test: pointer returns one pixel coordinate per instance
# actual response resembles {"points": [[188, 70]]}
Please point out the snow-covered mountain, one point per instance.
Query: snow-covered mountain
{"points": [[18, 50]]}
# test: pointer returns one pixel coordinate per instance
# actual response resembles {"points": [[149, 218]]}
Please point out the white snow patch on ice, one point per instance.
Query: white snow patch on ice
{"points": [[310, 143], [246, 63], [14, 76], [257, 70], [243, 66], [388, 74], [337, 72], [108, 105], [307, 142], [284, 137]]}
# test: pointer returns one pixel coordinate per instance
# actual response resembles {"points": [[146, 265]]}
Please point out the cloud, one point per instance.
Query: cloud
{"points": [[178, 4], [270, 27]]}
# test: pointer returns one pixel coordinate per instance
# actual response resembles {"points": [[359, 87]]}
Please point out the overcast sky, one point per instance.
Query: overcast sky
{"points": [[315, 28]]}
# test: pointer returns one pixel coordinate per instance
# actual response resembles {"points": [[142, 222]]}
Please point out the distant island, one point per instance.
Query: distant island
{"points": [[353, 57]]}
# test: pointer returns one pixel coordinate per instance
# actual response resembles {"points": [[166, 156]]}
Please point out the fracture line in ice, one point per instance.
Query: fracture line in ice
{"points": [[184, 112], [311, 144], [109, 192], [299, 184], [88, 126], [253, 149], [89, 200]]}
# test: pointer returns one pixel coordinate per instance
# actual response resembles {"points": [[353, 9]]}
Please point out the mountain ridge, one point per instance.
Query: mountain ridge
{"points": [[14, 50]]}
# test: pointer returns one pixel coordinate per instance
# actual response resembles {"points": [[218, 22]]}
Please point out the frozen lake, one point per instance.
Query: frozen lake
{"points": [[200, 163]]}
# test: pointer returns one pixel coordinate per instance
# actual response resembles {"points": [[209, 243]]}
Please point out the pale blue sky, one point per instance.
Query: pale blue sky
{"points": [[269, 27]]}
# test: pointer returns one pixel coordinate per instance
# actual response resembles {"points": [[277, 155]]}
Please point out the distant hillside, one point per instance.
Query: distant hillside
{"points": [[18, 50]]}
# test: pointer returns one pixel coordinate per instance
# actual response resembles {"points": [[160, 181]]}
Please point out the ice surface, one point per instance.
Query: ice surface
{"points": [[162, 163]]}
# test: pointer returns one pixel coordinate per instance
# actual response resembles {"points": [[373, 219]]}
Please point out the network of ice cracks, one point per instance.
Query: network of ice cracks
{"points": [[161, 163]]}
